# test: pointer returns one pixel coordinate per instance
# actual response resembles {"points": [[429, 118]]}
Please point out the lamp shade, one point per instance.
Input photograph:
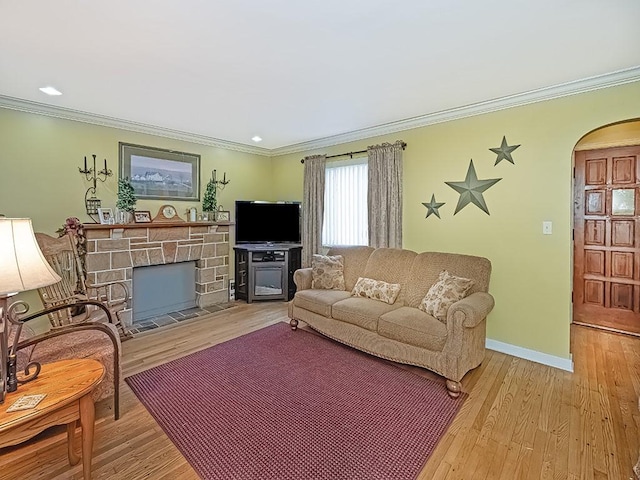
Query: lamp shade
{"points": [[22, 265]]}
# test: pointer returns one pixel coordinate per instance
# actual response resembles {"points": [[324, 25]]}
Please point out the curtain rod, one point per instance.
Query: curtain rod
{"points": [[351, 154]]}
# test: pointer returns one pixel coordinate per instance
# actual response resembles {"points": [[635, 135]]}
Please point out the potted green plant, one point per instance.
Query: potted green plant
{"points": [[126, 199], [209, 202]]}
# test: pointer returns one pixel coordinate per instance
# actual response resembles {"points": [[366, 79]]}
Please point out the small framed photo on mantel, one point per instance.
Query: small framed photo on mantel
{"points": [[223, 216], [142, 216], [106, 216]]}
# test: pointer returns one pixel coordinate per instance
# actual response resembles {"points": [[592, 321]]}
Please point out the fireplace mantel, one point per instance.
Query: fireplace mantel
{"points": [[128, 226], [113, 251]]}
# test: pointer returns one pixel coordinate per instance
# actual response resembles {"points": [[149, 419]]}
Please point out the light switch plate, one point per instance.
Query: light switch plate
{"points": [[547, 228]]}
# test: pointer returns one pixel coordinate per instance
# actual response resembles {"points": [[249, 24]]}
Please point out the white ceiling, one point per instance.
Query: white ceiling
{"points": [[298, 71]]}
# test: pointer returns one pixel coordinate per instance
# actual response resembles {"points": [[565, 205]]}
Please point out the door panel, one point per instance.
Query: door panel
{"points": [[622, 265], [594, 262], [595, 202], [622, 233], [596, 171], [606, 277], [623, 168], [594, 232]]}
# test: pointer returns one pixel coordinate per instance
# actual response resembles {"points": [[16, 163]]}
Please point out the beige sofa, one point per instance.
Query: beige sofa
{"points": [[401, 332]]}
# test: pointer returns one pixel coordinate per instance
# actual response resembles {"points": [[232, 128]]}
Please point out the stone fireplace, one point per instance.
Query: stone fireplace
{"points": [[113, 251]]}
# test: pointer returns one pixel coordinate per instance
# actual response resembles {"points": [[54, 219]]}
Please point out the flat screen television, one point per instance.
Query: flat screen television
{"points": [[267, 222]]}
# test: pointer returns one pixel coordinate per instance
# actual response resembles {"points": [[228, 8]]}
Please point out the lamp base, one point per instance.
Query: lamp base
{"points": [[12, 377], [12, 374]]}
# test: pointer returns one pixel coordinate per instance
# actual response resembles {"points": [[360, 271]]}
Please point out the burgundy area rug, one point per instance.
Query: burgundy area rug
{"points": [[277, 404]]}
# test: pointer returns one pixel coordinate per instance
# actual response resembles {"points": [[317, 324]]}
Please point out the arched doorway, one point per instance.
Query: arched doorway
{"points": [[606, 219]]}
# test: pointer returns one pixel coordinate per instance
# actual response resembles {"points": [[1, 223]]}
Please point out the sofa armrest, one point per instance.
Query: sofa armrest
{"points": [[473, 308], [302, 278]]}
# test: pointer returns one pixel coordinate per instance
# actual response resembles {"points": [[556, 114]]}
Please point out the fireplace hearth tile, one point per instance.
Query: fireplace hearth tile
{"points": [[174, 318], [164, 320], [145, 328], [189, 311], [148, 322]]}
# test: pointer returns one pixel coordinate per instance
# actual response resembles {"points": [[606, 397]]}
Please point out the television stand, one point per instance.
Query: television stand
{"points": [[264, 271]]}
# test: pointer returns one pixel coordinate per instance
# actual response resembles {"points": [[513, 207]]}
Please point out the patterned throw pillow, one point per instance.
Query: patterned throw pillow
{"points": [[376, 290], [327, 272], [444, 293]]}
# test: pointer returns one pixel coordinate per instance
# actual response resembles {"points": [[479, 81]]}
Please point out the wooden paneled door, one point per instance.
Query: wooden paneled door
{"points": [[606, 271]]}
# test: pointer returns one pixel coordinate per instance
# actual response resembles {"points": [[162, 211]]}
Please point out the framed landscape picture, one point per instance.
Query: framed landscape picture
{"points": [[156, 173]]}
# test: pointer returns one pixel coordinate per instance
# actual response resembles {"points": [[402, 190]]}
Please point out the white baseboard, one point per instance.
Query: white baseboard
{"points": [[533, 355]]}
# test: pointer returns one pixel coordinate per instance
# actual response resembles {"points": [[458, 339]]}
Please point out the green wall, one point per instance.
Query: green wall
{"points": [[40, 156], [532, 273]]}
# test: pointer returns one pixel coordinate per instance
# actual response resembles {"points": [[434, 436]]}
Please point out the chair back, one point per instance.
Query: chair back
{"points": [[63, 257]]}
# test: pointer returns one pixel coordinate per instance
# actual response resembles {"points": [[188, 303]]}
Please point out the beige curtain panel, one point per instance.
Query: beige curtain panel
{"points": [[312, 207], [385, 195]]}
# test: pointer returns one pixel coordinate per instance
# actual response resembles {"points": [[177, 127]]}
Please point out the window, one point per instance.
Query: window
{"points": [[345, 203]]}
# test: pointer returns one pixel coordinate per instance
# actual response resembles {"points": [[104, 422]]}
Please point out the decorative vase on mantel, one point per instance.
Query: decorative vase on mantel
{"points": [[124, 217]]}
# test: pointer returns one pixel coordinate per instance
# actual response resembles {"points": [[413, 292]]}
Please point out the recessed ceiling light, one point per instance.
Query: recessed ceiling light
{"points": [[50, 91], [256, 139]]}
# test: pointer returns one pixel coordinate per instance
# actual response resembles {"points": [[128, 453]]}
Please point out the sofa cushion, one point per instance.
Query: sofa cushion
{"points": [[354, 260], [319, 301], [427, 267], [376, 290], [412, 326], [391, 265], [444, 293], [360, 311], [327, 272]]}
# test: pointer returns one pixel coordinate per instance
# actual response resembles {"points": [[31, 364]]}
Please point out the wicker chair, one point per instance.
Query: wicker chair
{"points": [[62, 255], [96, 340]]}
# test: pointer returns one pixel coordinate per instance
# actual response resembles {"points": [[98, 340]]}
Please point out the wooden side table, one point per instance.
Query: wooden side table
{"points": [[68, 385]]}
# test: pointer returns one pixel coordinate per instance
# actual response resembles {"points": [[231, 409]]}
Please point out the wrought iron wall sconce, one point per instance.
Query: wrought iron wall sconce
{"points": [[220, 184], [92, 203]]}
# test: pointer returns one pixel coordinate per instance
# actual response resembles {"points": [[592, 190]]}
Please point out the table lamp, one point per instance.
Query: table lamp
{"points": [[22, 267]]}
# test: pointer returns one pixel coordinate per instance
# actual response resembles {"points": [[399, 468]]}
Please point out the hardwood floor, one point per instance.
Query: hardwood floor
{"points": [[522, 420]]}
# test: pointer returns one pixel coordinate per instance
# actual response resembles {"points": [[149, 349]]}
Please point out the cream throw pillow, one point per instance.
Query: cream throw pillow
{"points": [[376, 290], [327, 272], [444, 293]]}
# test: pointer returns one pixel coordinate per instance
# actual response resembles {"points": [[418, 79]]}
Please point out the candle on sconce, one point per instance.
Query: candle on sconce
{"points": [[224, 177], [105, 164], [85, 163], [214, 174]]}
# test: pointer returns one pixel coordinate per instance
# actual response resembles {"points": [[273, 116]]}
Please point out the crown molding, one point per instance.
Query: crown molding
{"points": [[613, 79], [38, 108], [540, 95]]}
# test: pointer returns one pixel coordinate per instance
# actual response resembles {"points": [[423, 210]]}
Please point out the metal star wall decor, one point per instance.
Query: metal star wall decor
{"points": [[433, 206], [471, 190], [504, 152]]}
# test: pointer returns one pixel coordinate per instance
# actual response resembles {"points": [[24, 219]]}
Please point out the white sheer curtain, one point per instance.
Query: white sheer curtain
{"points": [[345, 203], [312, 207], [385, 195]]}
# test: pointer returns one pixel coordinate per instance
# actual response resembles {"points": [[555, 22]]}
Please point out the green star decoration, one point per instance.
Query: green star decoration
{"points": [[433, 206], [471, 190], [504, 152]]}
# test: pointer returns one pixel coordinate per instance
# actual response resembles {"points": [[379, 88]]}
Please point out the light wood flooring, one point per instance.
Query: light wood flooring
{"points": [[522, 420]]}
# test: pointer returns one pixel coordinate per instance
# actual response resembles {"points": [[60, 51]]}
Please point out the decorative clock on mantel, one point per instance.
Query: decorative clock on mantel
{"points": [[167, 214]]}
